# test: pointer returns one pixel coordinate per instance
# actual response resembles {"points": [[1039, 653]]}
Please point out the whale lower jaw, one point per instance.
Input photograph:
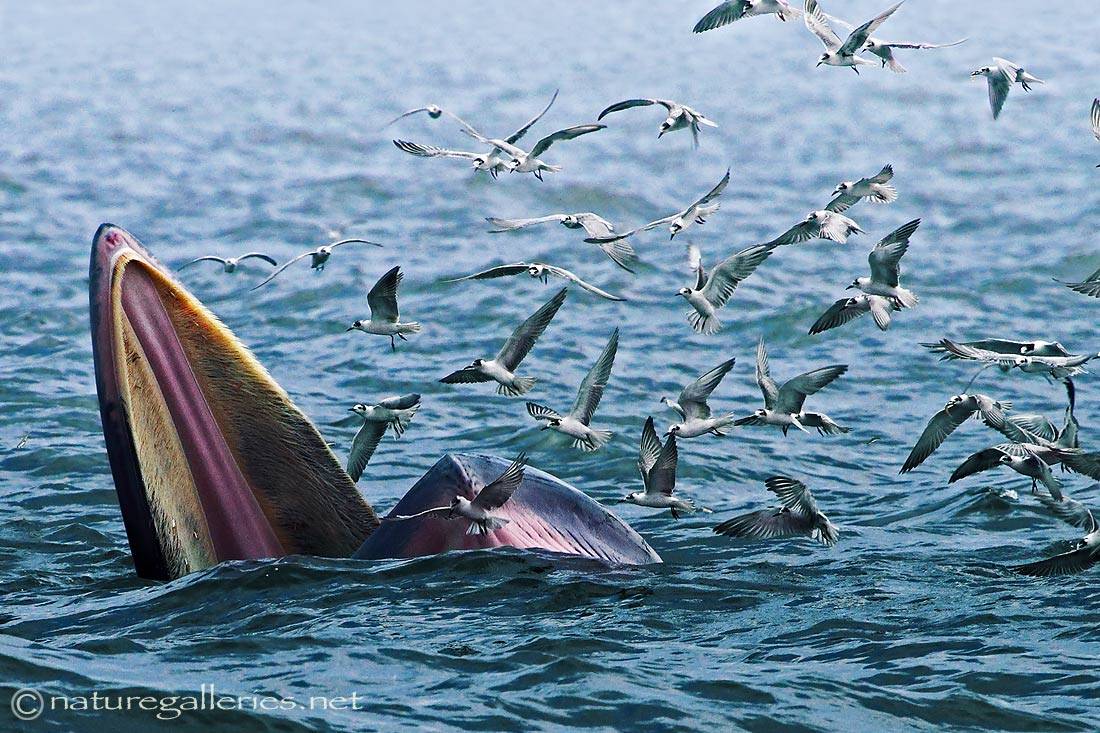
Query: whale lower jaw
{"points": [[212, 461], [544, 513]]}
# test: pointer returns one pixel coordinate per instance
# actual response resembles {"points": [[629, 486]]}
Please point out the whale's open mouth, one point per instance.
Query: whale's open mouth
{"points": [[211, 459]]}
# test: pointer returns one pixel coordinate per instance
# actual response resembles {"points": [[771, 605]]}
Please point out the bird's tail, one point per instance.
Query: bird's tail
{"points": [[596, 439], [620, 252], [410, 327], [703, 324], [491, 524], [519, 385], [894, 66], [906, 298]]}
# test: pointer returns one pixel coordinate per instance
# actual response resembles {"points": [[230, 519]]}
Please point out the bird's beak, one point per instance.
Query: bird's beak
{"points": [[975, 73], [349, 328], [819, 63], [544, 427], [849, 287]]}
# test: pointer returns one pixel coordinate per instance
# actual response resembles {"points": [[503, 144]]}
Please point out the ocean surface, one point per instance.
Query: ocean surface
{"points": [[218, 128]]}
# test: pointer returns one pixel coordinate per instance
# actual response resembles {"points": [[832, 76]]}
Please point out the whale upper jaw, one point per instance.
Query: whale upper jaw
{"points": [[211, 459]]}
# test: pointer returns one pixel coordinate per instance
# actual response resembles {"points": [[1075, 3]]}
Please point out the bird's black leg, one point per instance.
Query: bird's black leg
{"points": [[538, 175], [855, 70], [402, 337], [785, 429], [675, 514], [393, 344]]}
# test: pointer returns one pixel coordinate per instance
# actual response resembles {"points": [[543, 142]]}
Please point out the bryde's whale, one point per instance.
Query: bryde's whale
{"points": [[212, 461]]}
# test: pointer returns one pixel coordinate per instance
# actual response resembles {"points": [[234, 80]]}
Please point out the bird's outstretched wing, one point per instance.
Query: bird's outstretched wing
{"points": [[382, 298], [466, 375], [662, 477], [848, 309], [1067, 563], [499, 271], [728, 274], [259, 256], [721, 15], [792, 395], [793, 494], [431, 151], [363, 446], [859, 36], [649, 451], [542, 412], [567, 134], [817, 24], [629, 103], [507, 225], [1094, 118], [764, 376], [923, 46], [566, 274], [401, 402], [592, 387], [693, 398], [286, 264], [500, 489], [999, 84], [594, 225], [515, 136], [886, 255], [524, 337], [942, 424], [803, 231], [766, 524], [206, 258], [714, 192]]}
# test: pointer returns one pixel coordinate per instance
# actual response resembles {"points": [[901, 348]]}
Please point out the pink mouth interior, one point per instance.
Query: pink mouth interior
{"points": [[238, 527]]}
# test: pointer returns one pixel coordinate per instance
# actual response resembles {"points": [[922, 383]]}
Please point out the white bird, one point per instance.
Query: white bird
{"points": [[537, 270], [479, 512], [230, 264], [318, 257], [576, 424], [799, 516], [732, 10], [783, 406], [502, 368], [1000, 77], [847, 309], [958, 410], [1004, 347], [697, 212], [385, 319], [433, 110], [691, 406], [877, 188], [595, 226], [1085, 554], [392, 412], [713, 290], [679, 116], [822, 224], [837, 52], [657, 464], [529, 162], [884, 261], [1052, 367], [490, 162]]}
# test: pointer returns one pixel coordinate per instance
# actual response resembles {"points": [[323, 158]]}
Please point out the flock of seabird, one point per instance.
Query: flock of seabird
{"points": [[1033, 443]]}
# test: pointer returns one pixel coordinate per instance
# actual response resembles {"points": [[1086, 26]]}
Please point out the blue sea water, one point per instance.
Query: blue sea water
{"points": [[225, 127]]}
